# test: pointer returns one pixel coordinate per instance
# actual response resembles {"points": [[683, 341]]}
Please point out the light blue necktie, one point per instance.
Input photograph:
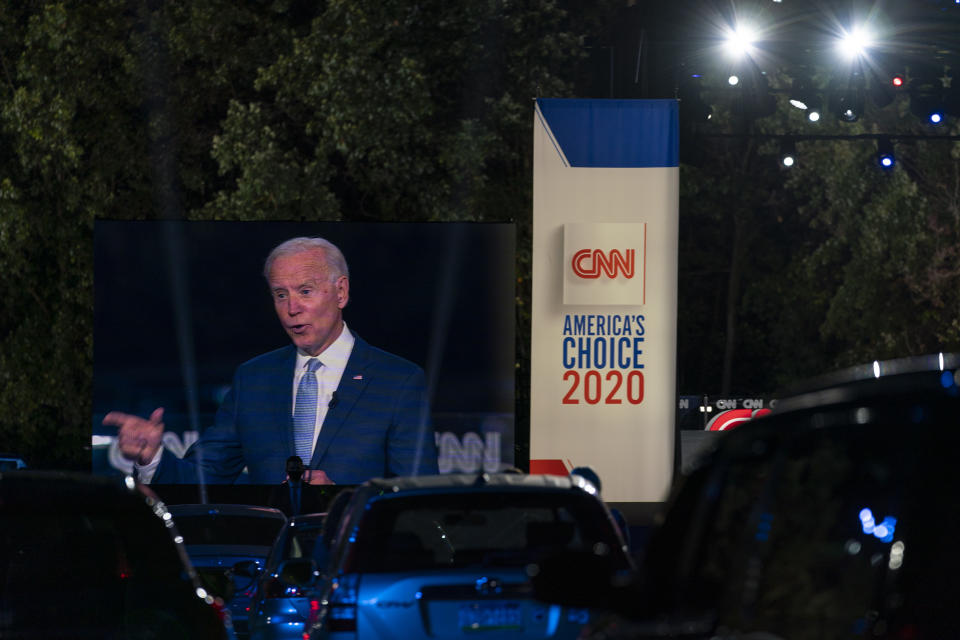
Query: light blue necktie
{"points": [[305, 413]]}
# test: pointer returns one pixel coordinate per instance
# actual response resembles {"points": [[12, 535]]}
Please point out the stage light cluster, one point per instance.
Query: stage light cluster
{"points": [[869, 68]]}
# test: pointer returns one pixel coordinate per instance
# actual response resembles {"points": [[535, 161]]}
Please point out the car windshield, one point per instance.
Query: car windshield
{"points": [[426, 531], [221, 529]]}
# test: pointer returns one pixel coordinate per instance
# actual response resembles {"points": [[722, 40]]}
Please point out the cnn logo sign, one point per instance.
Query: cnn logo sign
{"points": [[591, 263], [604, 263]]}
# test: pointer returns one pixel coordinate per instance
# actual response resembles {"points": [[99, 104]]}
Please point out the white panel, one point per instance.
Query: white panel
{"points": [[593, 344]]}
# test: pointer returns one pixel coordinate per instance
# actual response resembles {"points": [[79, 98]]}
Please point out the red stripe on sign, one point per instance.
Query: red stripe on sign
{"points": [[549, 467], [728, 419]]}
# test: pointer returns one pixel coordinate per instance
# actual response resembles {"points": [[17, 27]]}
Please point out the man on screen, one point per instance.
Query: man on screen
{"points": [[352, 410]]}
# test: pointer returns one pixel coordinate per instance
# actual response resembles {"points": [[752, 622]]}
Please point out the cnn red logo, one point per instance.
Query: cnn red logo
{"points": [[591, 263]]}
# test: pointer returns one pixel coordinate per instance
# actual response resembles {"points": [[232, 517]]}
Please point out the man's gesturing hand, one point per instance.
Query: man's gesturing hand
{"points": [[317, 476], [139, 439]]}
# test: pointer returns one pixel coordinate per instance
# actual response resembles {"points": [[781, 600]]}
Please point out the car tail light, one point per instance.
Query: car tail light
{"points": [[342, 604], [221, 608], [312, 618]]}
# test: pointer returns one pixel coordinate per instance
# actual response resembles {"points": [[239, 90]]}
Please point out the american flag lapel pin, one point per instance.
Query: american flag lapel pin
{"points": [[358, 377]]}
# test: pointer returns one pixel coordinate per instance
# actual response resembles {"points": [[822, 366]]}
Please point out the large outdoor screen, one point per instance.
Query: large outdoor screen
{"points": [[179, 305]]}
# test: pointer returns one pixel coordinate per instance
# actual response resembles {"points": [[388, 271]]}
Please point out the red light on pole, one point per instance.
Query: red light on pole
{"points": [[897, 81]]}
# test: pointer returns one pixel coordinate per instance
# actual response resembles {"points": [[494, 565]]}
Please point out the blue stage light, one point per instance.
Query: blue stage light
{"points": [[885, 156]]}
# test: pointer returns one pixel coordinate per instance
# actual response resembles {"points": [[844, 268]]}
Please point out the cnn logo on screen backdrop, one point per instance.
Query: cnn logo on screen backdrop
{"points": [[604, 263]]}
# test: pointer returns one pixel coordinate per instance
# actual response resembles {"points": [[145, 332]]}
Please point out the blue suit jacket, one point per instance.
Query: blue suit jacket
{"points": [[379, 424]]}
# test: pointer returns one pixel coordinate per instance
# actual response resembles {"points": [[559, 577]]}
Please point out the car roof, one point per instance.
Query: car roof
{"points": [[70, 489], [872, 393], [226, 510], [307, 518], [932, 374], [484, 482]]}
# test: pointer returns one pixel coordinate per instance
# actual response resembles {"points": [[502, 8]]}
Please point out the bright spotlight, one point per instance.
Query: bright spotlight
{"points": [[813, 116], [935, 117], [733, 80], [740, 41], [855, 43]]}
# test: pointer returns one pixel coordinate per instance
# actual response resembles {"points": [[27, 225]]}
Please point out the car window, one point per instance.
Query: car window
{"points": [[299, 544], [773, 552], [840, 524], [90, 566], [228, 529], [111, 546], [418, 532]]}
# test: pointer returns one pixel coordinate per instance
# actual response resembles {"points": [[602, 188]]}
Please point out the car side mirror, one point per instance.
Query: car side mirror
{"points": [[299, 572]]}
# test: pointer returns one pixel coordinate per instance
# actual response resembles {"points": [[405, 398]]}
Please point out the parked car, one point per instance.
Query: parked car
{"points": [[830, 518], [279, 610], [232, 541], [447, 556], [94, 557]]}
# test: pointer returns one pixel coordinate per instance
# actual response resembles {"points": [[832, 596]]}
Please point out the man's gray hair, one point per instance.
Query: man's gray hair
{"points": [[336, 263]]}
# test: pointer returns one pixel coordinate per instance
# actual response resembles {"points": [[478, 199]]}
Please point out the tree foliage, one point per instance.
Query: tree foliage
{"points": [[846, 263], [394, 110], [283, 109]]}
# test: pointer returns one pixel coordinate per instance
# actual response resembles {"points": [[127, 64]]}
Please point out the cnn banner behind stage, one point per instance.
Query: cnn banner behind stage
{"points": [[605, 226]]}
